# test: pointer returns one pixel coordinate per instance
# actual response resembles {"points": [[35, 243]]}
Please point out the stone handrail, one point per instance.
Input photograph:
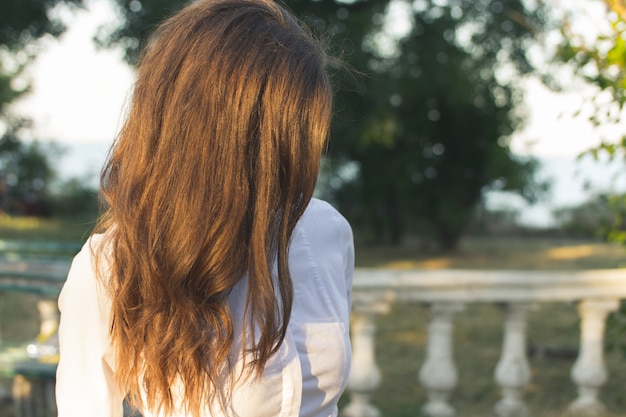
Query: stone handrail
{"points": [[446, 292]]}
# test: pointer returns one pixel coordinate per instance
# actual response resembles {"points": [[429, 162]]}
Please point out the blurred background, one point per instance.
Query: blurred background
{"points": [[471, 134], [452, 117]]}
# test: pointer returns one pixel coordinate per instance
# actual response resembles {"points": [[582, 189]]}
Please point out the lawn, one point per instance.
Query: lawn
{"points": [[401, 333], [32, 228], [500, 252]]}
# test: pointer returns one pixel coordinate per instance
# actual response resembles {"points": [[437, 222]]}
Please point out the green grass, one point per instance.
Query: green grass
{"points": [[32, 228], [19, 318], [19, 324], [502, 252]]}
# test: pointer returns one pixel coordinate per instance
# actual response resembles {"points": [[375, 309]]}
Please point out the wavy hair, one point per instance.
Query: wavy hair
{"points": [[215, 163]]}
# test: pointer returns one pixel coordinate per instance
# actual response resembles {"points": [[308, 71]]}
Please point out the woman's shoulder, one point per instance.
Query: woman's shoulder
{"points": [[321, 217], [84, 260], [319, 207], [82, 276]]}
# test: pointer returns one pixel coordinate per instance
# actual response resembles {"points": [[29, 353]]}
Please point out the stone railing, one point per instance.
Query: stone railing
{"points": [[446, 292]]}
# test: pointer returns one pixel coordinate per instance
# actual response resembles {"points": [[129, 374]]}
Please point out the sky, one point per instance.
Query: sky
{"points": [[79, 93]]}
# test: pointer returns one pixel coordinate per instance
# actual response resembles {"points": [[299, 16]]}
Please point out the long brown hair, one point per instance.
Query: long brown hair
{"points": [[215, 164]]}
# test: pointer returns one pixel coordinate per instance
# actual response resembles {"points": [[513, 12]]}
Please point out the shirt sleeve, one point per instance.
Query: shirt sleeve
{"points": [[85, 383]]}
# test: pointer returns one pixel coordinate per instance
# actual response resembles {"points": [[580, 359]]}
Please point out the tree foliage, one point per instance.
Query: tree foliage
{"points": [[603, 216], [601, 61], [423, 118], [22, 23], [139, 18], [25, 169], [428, 127], [26, 173]]}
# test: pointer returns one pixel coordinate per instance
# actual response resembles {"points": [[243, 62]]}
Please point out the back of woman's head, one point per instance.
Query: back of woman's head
{"points": [[213, 167]]}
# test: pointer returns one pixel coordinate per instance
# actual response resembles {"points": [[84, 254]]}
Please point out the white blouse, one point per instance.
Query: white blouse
{"points": [[305, 378]]}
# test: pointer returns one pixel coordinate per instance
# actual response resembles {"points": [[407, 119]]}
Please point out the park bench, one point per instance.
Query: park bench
{"points": [[38, 268]]}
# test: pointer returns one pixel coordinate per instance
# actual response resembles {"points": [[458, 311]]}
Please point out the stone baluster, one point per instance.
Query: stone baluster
{"points": [[46, 344], [512, 372], [49, 316], [439, 374], [364, 373], [589, 371]]}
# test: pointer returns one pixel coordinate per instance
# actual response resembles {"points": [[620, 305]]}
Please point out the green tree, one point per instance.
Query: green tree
{"points": [[25, 175], [22, 23], [601, 62], [603, 216], [25, 169], [75, 199], [422, 124], [429, 126]]}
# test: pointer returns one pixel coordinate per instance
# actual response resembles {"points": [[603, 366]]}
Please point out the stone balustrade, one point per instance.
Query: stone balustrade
{"points": [[597, 293]]}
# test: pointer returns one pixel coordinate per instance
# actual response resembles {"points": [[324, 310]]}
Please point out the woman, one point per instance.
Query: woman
{"points": [[218, 286]]}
